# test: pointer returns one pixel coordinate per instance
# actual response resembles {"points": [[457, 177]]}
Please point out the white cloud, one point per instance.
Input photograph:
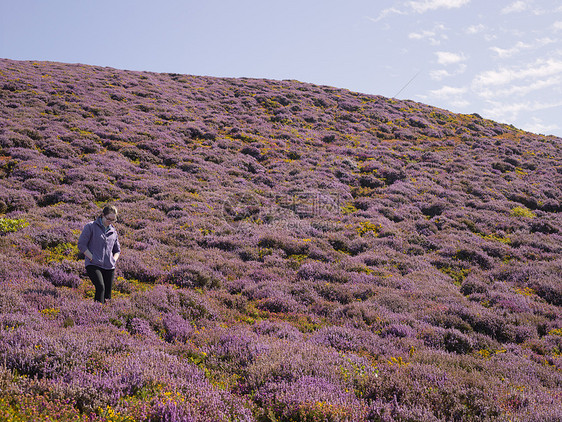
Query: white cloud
{"points": [[459, 103], [539, 69], [538, 126], [421, 35], [518, 6], [448, 92], [494, 77], [455, 103], [431, 35], [447, 58], [448, 96], [421, 6], [521, 90], [425, 5], [475, 29], [385, 13], [517, 48], [511, 110], [440, 74], [516, 91], [508, 52], [557, 26]]}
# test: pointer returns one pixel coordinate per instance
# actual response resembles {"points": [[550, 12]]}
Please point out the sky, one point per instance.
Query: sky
{"points": [[500, 59]]}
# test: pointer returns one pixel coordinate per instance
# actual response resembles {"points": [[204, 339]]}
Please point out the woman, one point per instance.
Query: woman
{"points": [[100, 245]]}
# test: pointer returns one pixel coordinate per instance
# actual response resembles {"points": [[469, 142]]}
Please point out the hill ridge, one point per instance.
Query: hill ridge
{"points": [[290, 250]]}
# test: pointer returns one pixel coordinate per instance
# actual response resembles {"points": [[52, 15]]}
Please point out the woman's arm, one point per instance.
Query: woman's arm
{"points": [[83, 241], [116, 249]]}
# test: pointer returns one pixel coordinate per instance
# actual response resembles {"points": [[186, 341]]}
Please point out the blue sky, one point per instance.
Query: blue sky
{"points": [[501, 59]]}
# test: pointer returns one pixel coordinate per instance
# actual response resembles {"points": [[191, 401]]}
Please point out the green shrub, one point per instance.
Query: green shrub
{"points": [[522, 212], [8, 225]]}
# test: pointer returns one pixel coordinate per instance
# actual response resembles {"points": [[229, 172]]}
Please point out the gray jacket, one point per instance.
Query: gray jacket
{"points": [[102, 243]]}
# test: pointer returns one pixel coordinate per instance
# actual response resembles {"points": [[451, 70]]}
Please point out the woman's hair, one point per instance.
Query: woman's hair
{"points": [[109, 209]]}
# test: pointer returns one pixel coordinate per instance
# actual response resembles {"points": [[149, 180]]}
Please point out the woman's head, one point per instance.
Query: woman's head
{"points": [[109, 214]]}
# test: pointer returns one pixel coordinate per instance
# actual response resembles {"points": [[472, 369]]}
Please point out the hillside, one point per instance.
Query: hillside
{"points": [[291, 252]]}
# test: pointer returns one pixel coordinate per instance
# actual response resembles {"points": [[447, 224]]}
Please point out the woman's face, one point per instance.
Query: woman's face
{"points": [[109, 219]]}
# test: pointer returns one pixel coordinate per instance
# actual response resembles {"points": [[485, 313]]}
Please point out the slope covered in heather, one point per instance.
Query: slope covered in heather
{"points": [[290, 252]]}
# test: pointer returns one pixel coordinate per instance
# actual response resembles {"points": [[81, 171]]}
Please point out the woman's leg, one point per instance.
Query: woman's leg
{"points": [[108, 283], [97, 278]]}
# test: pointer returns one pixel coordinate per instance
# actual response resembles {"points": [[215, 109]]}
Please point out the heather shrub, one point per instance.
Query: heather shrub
{"points": [[450, 340], [489, 323], [305, 293], [226, 244], [38, 185], [281, 330], [141, 327], [57, 149], [16, 200], [209, 406], [141, 267], [346, 339], [237, 348], [143, 373], [434, 209], [473, 285], [85, 146], [361, 314], [286, 243], [284, 361], [470, 256], [517, 303], [82, 314], [238, 285], [309, 398], [30, 353], [549, 291], [324, 272], [448, 319], [394, 302], [398, 330], [41, 294], [195, 275], [10, 301], [335, 293], [38, 407], [76, 196], [278, 301], [177, 328], [100, 191], [11, 321], [381, 411], [233, 302], [415, 389], [524, 333], [60, 275], [54, 236], [165, 299], [13, 268]]}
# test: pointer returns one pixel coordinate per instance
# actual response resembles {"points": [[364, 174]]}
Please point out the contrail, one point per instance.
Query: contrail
{"points": [[408, 83]]}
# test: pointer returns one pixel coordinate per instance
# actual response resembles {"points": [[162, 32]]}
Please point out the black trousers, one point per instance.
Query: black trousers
{"points": [[103, 280]]}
